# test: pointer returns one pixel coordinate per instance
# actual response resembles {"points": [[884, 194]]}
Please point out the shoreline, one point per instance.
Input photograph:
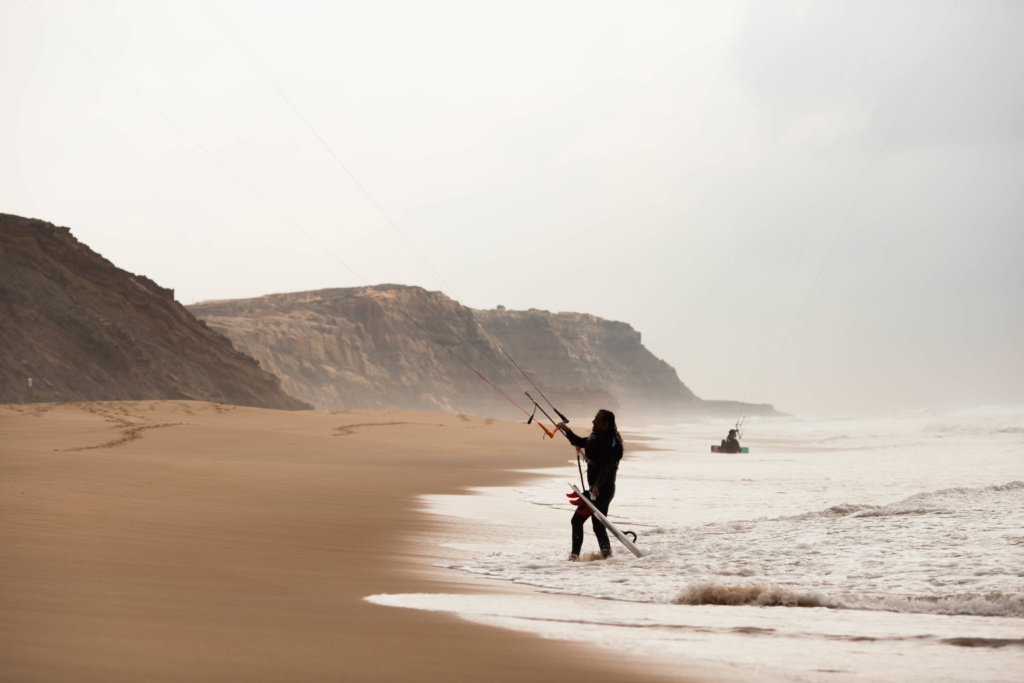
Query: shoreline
{"points": [[827, 571], [173, 540]]}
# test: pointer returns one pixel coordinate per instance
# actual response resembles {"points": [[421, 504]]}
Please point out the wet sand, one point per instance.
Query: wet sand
{"points": [[188, 541]]}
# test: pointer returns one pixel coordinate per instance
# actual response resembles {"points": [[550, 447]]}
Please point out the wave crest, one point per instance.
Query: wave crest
{"points": [[762, 594], [942, 501], [778, 595], [988, 605]]}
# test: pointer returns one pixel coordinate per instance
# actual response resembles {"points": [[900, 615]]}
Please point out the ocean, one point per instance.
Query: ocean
{"points": [[862, 548]]}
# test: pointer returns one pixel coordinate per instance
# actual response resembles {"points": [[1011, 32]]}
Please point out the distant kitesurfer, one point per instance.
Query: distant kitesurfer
{"points": [[730, 444], [602, 450]]}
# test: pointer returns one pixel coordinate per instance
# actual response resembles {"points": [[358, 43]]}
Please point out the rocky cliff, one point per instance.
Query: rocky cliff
{"points": [[400, 347], [578, 358], [393, 347], [85, 330]]}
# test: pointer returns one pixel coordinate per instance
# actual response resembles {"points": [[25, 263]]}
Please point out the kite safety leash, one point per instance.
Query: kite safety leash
{"points": [[580, 468]]}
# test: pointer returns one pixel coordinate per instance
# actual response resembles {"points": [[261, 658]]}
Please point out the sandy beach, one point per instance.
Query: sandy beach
{"points": [[175, 540]]}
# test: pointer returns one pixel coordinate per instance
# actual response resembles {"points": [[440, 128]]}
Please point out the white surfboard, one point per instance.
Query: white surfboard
{"points": [[608, 525]]}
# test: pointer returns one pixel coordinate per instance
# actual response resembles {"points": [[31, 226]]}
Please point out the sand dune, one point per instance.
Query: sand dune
{"points": [[152, 541]]}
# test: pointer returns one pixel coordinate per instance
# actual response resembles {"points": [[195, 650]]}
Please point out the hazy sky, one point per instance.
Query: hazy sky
{"points": [[814, 204]]}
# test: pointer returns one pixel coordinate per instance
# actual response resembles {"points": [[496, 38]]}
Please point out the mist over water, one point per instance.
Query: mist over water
{"points": [[862, 548]]}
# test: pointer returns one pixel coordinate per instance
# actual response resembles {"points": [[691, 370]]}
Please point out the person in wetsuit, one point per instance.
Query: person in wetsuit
{"points": [[730, 444], [602, 450]]}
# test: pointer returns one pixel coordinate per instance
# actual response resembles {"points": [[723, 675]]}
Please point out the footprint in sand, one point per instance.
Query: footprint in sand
{"points": [[117, 415]]}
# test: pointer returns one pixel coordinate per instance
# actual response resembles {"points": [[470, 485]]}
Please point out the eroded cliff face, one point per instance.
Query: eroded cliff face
{"points": [[579, 357], [85, 330], [345, 348], [363, 347]]}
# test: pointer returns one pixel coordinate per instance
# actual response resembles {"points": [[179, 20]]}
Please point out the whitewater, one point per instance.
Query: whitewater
{"points": [[864, 548]]}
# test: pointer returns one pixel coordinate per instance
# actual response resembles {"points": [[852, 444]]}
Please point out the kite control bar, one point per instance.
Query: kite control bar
{"points": [[557, 411], [549, 432], [537, 406]]}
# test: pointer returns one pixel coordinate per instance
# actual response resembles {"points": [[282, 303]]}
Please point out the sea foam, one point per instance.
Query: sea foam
{"points": [[898, 548]]}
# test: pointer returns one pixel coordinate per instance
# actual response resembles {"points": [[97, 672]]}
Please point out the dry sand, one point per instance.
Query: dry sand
{"points": [[188, 541]]}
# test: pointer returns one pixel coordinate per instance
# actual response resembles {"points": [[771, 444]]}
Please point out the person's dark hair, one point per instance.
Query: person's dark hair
{"points": [[609, 417]]}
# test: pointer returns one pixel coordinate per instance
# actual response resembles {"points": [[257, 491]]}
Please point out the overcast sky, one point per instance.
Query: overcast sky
{"points": [[814, 204]]}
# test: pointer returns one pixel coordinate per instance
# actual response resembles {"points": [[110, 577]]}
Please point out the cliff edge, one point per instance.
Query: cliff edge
{"points": [[85, 330], [378, 348]]}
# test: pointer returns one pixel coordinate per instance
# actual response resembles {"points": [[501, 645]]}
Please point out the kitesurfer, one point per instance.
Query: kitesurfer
{"points": [[730, 444], [602, 450]]}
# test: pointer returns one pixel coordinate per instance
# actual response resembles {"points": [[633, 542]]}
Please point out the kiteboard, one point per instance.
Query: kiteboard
{"points": [[608, 525], [718, 449]]}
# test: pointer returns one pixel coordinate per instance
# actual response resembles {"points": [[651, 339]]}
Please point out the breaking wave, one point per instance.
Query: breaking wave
{"points": [[988, 605], [896, 512], [942, 501], [761, 594], [776, 595]]}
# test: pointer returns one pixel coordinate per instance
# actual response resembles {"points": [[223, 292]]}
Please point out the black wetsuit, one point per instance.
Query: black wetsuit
{"points": [[730, 445], [603, 453]]}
